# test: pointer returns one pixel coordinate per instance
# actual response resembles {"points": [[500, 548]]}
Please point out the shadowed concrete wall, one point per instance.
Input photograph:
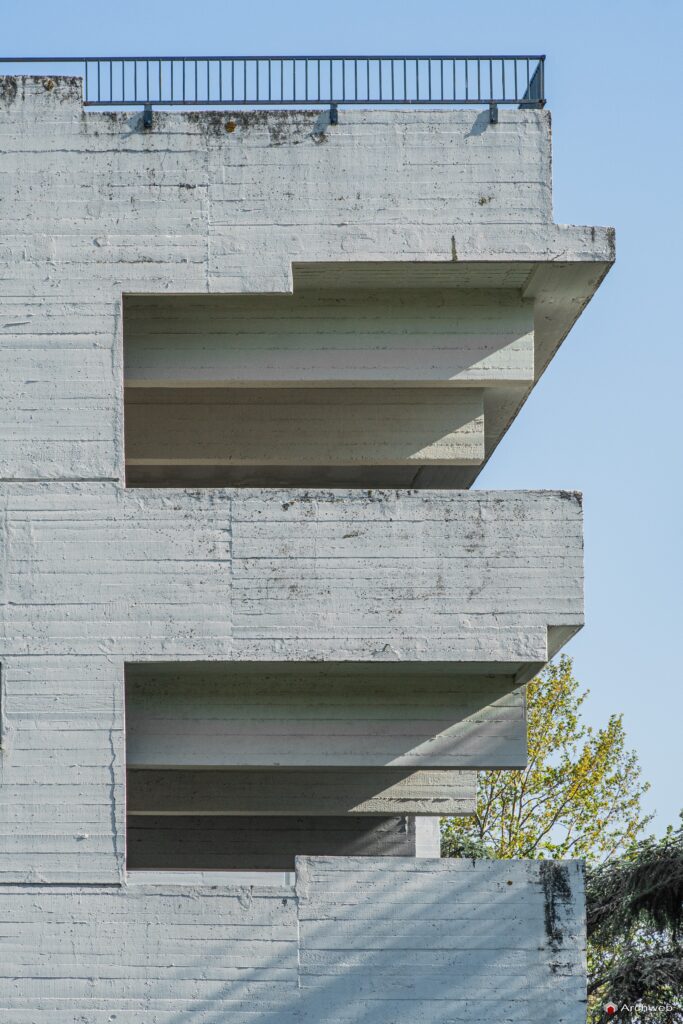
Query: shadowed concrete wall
{"points": [[309, 791], [357, 941]]}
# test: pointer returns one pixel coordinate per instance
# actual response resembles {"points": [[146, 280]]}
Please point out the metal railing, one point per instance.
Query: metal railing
{"points": [[297, 81]]}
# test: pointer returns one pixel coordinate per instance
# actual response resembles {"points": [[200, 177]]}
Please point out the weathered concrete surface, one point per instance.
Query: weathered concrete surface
{"points": [[100, 208], [469, 577], [94, 576], [358, 939]]}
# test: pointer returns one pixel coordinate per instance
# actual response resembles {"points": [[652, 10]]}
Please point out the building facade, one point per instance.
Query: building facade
{"points": [[257, 631]]}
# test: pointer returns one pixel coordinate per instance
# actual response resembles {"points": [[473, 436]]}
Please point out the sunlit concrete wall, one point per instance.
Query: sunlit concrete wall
{"points": [[361, 940]]}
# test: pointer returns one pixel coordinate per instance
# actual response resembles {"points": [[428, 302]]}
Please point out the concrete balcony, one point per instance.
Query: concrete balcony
{"points": [[490, 581]]}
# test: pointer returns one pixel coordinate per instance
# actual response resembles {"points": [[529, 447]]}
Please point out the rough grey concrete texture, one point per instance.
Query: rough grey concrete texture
{"points": [[95, 576], [97, 212], [99, 208], [366, 939]]}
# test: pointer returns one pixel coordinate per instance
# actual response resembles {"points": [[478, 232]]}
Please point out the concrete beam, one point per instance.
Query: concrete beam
{"points": [[309, 427], [386, 337], [318, 792], [206, 843], [213, 715]]}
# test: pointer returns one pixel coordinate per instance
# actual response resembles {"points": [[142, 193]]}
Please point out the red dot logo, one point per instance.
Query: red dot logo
{"points": [[610, 1009]]}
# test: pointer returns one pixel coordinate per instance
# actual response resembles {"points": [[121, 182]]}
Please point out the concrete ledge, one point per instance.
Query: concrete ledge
{"points": [[296, 575]]}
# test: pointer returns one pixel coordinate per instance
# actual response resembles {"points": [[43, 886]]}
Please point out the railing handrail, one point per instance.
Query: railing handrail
{"points": [[334, 79]]}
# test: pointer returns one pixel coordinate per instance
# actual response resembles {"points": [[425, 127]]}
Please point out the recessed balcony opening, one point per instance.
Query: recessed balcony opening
{"points": [[244, 766], [322, 388]]}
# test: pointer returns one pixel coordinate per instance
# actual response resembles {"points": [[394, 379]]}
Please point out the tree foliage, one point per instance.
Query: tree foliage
{"points": [[635, 917], [579, 795]]}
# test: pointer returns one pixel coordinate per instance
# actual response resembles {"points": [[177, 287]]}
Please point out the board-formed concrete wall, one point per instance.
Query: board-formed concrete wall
{"points": [[93, 208], [95, 577], [358, 940]]}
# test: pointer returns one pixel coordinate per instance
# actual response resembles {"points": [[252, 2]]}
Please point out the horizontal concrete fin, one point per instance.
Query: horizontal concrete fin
{"points": [[329, 716], [381, 337], [317, 792], [303, 426]]}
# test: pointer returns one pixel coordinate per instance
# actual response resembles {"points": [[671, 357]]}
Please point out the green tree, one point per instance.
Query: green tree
{"points": [[635, 915], [579, 796]]}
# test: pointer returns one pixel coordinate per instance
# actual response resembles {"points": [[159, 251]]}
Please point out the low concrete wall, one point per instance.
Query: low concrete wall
{"points": [[357, 941]]}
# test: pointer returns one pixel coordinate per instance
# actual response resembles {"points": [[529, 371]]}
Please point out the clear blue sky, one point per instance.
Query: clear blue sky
{"points": [[606, 417]]}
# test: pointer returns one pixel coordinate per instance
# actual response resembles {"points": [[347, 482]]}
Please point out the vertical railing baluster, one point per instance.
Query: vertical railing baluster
{"points": [[385, 78]]}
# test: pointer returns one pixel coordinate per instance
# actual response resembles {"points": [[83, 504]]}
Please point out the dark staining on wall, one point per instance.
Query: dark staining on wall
{"points": [[557, 891], [8, 90], [284, 127]]}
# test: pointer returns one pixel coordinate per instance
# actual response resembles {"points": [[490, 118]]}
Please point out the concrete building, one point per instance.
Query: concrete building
{"points": [[257, 633]]}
